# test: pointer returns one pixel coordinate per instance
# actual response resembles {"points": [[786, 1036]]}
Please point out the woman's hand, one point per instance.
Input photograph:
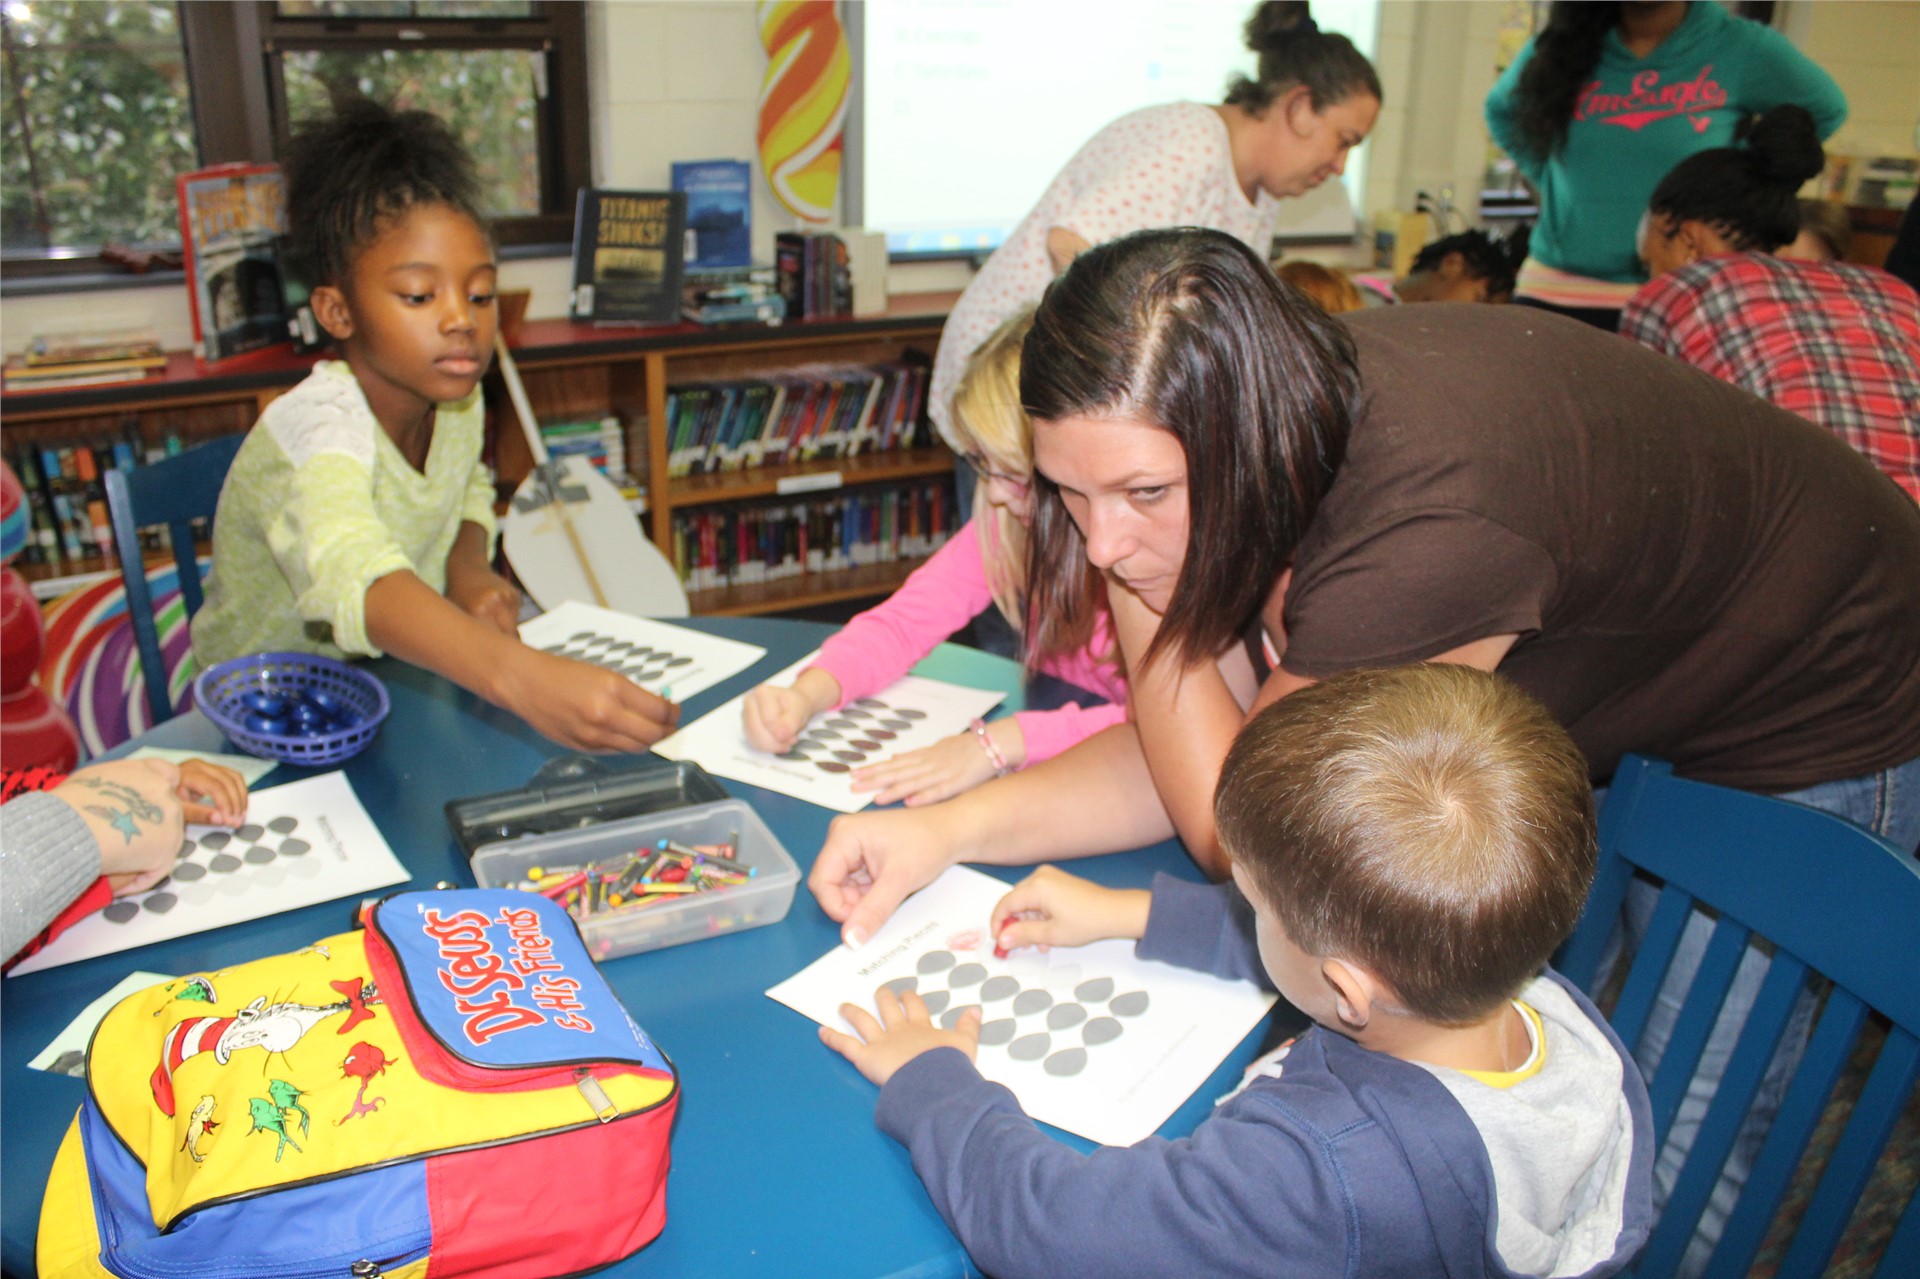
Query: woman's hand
{"points": [[1052, 908], [872, 861], [133, 809], [905, 1030]]}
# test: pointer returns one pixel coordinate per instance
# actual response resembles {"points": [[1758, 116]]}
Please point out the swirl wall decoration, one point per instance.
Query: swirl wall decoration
{"points": [[803, 103]]}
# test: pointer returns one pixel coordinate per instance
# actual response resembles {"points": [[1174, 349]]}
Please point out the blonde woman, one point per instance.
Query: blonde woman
{"points": [[982, 565]]}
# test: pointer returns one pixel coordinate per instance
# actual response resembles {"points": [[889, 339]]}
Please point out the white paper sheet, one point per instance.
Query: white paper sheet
{"points": [[906, 715], [306, 842], [660, 657], [67, 1054], [1091, 1039]]}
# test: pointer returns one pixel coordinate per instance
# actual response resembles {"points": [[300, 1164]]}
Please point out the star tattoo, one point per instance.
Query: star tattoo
{"points": [[119, 819]]}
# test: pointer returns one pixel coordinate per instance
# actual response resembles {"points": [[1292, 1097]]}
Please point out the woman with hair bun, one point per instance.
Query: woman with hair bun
{"points": [[1837, 344], [1279, 134], [1609, 97]]}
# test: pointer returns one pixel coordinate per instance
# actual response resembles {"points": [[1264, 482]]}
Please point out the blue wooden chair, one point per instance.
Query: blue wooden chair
{"points": [[174, 492], [1833, 900]]}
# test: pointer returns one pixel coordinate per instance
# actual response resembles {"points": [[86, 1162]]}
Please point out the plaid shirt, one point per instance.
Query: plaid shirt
{"points": [[1837, 344]]}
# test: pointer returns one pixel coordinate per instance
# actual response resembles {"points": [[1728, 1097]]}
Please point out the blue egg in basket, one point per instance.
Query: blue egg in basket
{"points": [[343, 706]]}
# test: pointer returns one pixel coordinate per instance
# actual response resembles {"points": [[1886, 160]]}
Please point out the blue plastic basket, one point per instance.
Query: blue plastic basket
{"points": [[218, 689]]}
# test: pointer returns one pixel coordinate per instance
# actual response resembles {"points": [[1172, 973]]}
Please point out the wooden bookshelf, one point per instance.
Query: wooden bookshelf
{"points": [[803, 590], [568, 369], [796, 479]]}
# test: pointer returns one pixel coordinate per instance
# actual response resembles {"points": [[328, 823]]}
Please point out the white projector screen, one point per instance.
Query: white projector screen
{"points": [[964, 110]]}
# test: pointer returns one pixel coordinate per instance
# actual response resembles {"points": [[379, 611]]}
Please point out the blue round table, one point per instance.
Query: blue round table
{"points": [[777, 1167]]}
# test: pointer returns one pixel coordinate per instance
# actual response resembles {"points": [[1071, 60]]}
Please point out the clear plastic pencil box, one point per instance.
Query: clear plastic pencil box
{"points": [[763, 899]]}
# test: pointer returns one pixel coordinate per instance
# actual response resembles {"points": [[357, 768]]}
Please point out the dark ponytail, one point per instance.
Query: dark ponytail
{"points": [[1747, 192], [1293, 50], [1564, 54], [351, 172]]}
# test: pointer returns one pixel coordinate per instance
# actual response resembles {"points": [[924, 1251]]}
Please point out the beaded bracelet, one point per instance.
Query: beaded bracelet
{"points": [[1000, 766]]}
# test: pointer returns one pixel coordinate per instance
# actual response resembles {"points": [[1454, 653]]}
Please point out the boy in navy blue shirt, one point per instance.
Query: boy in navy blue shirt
{"points": [[1408, 848]]}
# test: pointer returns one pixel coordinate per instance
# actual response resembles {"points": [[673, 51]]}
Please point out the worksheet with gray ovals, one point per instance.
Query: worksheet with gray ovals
{"points": [[908, 714], [1090, 1039], [673, 661]]}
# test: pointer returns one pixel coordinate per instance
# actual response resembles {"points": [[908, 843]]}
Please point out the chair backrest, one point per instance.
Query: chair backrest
{"points": [[1833, 900], [175, 492]]}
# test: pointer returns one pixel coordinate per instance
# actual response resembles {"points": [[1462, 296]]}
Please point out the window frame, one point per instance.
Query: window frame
{"points": [[238, 100]]}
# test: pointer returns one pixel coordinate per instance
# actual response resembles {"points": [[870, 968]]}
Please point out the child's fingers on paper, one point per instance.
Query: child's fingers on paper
{"points": [[840, 1041], [221, 791], [886, 771], [1019, 932], [768, 725], [1028, 897], [864, 1024], [137, 881], [936, 791], [968, 1028], [914, 1009]]}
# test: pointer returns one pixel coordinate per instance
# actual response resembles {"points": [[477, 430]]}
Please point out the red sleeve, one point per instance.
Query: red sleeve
{"points": [[18, 781]]}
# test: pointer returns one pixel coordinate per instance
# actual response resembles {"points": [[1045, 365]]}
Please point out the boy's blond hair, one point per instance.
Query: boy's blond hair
{"points": [[1329, 290], [1430, 822], [988, 419]]}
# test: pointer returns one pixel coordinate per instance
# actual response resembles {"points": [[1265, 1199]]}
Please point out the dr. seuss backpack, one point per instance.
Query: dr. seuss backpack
{"points": [[439, 1091]]}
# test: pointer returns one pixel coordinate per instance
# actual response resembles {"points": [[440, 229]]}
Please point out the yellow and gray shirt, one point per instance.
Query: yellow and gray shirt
{"points": [[319, 505]]}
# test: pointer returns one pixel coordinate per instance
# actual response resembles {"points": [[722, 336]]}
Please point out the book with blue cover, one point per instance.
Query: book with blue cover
{"points": [[719, 212]]}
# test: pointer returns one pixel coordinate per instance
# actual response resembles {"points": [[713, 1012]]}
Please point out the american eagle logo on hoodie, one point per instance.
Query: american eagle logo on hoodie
{"points": [[1648, 100]]}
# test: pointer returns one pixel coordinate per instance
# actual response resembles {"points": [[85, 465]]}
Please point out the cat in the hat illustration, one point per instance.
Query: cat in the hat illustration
{"points": [[274, 1027]]}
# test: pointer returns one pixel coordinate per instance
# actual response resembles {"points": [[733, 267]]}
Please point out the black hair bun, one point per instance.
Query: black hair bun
{"points": [[1515, 243], [1785, 146], [1275, 22]]}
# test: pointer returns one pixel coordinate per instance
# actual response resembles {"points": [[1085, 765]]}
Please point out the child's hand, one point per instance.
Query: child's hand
{"points": [[773, 716], [904, 1031], [928, 775], [584, 707], [484, 594], [221, 792], [1053, 908]]}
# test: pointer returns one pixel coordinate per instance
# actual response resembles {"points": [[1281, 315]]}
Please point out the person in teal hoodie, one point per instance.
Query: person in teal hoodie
{"points": [[1604, 101]]}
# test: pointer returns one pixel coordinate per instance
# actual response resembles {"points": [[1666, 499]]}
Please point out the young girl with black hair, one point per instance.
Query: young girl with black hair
{"points": [[1835, 343], [1606, 99], [358, 517]]}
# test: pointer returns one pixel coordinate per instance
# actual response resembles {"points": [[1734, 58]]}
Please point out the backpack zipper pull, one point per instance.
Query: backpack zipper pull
{"points": [[364, 1270], [596, 1096]]}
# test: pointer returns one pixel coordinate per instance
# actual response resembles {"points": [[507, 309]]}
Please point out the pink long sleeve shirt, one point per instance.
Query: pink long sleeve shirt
{"points": [[941, 596]]}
